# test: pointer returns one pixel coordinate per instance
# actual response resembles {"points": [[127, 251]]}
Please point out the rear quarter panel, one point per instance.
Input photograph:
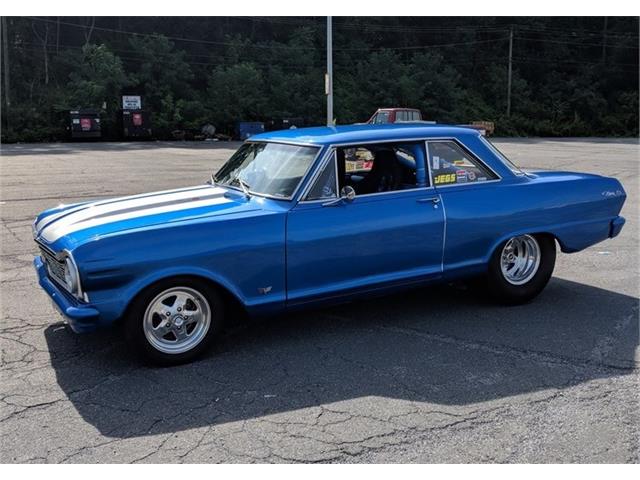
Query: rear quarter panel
{"points": [[575, 208]]}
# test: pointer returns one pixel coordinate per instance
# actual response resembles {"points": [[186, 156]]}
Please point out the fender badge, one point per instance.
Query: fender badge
{"points": [[264, 290]]}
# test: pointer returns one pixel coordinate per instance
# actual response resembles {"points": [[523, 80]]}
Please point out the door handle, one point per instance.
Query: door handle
{"points": [[434, 200]]}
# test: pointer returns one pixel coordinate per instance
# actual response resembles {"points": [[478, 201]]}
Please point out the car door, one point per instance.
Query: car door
{"points": [[477, 208], [336, 248]]}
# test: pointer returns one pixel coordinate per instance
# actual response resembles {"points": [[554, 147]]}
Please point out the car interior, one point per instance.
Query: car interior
{"points": [[376, 169]]}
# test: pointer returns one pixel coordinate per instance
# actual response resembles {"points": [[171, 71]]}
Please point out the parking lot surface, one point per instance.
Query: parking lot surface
{"points": [[431, 375]]}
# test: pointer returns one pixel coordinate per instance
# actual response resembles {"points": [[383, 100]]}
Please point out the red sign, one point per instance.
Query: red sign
{"points": [[137, 119], [85, 124]]}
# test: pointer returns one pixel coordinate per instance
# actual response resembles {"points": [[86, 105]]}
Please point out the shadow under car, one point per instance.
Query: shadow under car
{"points": [[438, 345]]}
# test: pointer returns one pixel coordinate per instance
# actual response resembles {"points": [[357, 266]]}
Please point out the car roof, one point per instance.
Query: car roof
{"points": [[398, 109], [364, 133]]}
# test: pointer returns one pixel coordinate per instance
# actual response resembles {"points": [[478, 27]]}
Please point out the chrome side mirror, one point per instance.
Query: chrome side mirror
{"points": [[347, 194]]}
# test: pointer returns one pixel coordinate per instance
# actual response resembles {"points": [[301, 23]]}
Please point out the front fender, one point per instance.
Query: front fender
{"points": [[244, 255], [141, 283]]}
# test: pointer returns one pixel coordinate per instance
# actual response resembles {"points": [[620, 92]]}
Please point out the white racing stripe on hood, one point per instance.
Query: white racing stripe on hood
{"points": [[109, 211], [51, 218]]}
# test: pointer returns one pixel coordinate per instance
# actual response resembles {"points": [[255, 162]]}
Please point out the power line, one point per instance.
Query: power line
{"points": [[366, 26], [422, 47], [177, 39], [346, 49], [229, 61], [573, 32], [415, 47], [580, 44], [571, 62], [430, 29]]}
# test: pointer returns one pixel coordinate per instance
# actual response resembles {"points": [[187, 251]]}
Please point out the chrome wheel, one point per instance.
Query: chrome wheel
{"points": [[520, 259], [177, 320]]}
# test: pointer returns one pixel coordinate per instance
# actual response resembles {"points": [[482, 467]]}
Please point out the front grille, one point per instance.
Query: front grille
{"points": [[55, 267]]}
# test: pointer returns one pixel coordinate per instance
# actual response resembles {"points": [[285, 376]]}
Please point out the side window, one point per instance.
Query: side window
{"points": [[450, 164], [325, 186], [379, 168]]}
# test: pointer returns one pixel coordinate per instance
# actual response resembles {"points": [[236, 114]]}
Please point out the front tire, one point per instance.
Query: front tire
{"points": [[520, 268], [174, 320]]}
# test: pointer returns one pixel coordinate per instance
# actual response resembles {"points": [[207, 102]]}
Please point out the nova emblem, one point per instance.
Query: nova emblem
{"points": [[608, 193], [264, 290]]}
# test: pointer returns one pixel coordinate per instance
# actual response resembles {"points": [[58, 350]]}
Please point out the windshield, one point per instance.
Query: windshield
{"points": [[512, 166], [271, 169]]}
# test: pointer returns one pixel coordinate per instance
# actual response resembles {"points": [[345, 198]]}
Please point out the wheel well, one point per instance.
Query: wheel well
{"points": [[496, 248], [537, 234], [548, 235], [234, 309]]}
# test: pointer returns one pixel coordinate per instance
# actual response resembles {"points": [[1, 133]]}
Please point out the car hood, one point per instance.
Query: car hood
{"points": [[95, 219]]}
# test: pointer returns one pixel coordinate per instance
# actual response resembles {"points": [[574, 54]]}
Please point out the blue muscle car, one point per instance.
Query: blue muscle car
{"points": [[311, 216]]}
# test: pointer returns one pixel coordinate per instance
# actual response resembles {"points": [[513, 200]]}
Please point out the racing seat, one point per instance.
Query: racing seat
{"points": [[385, 175]]}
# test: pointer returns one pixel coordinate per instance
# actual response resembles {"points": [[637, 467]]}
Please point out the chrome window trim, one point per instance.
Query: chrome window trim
{"points": [[374, 142], [304, 175], [472, 154], [397, 192], [314, 176], [426, 160], [285, 142], [369, 195]]}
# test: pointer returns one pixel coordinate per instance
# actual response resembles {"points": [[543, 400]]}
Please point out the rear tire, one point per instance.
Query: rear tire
{"points": [[520, 268], [174, 321]]}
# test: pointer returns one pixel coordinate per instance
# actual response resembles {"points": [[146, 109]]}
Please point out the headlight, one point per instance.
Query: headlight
{"points": [[71, 276]]}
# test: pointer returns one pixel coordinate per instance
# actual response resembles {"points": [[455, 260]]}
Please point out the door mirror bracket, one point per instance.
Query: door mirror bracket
{"points": [[347, 195]]}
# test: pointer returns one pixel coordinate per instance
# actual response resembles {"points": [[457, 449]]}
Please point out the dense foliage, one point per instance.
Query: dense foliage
{"points": [[571, 76]]}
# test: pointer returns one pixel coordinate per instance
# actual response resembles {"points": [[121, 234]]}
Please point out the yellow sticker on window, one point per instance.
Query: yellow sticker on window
{"points": [[445, 178]]}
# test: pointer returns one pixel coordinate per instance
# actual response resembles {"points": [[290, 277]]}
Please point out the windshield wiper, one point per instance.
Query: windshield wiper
{"points": [[244, 185]]}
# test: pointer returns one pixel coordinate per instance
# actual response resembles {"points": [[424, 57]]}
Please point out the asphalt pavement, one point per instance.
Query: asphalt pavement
{"points": [[432, 375]]}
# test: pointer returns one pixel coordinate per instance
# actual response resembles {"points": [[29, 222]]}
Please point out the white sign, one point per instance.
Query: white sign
{"points": [[131, 102]]}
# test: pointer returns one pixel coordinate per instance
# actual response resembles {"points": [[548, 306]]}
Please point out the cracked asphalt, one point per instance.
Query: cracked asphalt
{"points": [[431, 375]]}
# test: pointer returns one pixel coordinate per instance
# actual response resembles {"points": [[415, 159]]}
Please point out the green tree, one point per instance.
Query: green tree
{"points": [[96, 77], [236, 93], [161, 73]]}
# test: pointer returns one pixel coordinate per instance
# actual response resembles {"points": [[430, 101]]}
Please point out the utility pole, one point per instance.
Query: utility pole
{"points": [[58, 35], [509, 74], [604, 41], [5, 64], [328, 79]]}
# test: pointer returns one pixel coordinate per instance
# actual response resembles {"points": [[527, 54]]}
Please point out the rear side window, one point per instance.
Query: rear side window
{"points": [[451, 165]]}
